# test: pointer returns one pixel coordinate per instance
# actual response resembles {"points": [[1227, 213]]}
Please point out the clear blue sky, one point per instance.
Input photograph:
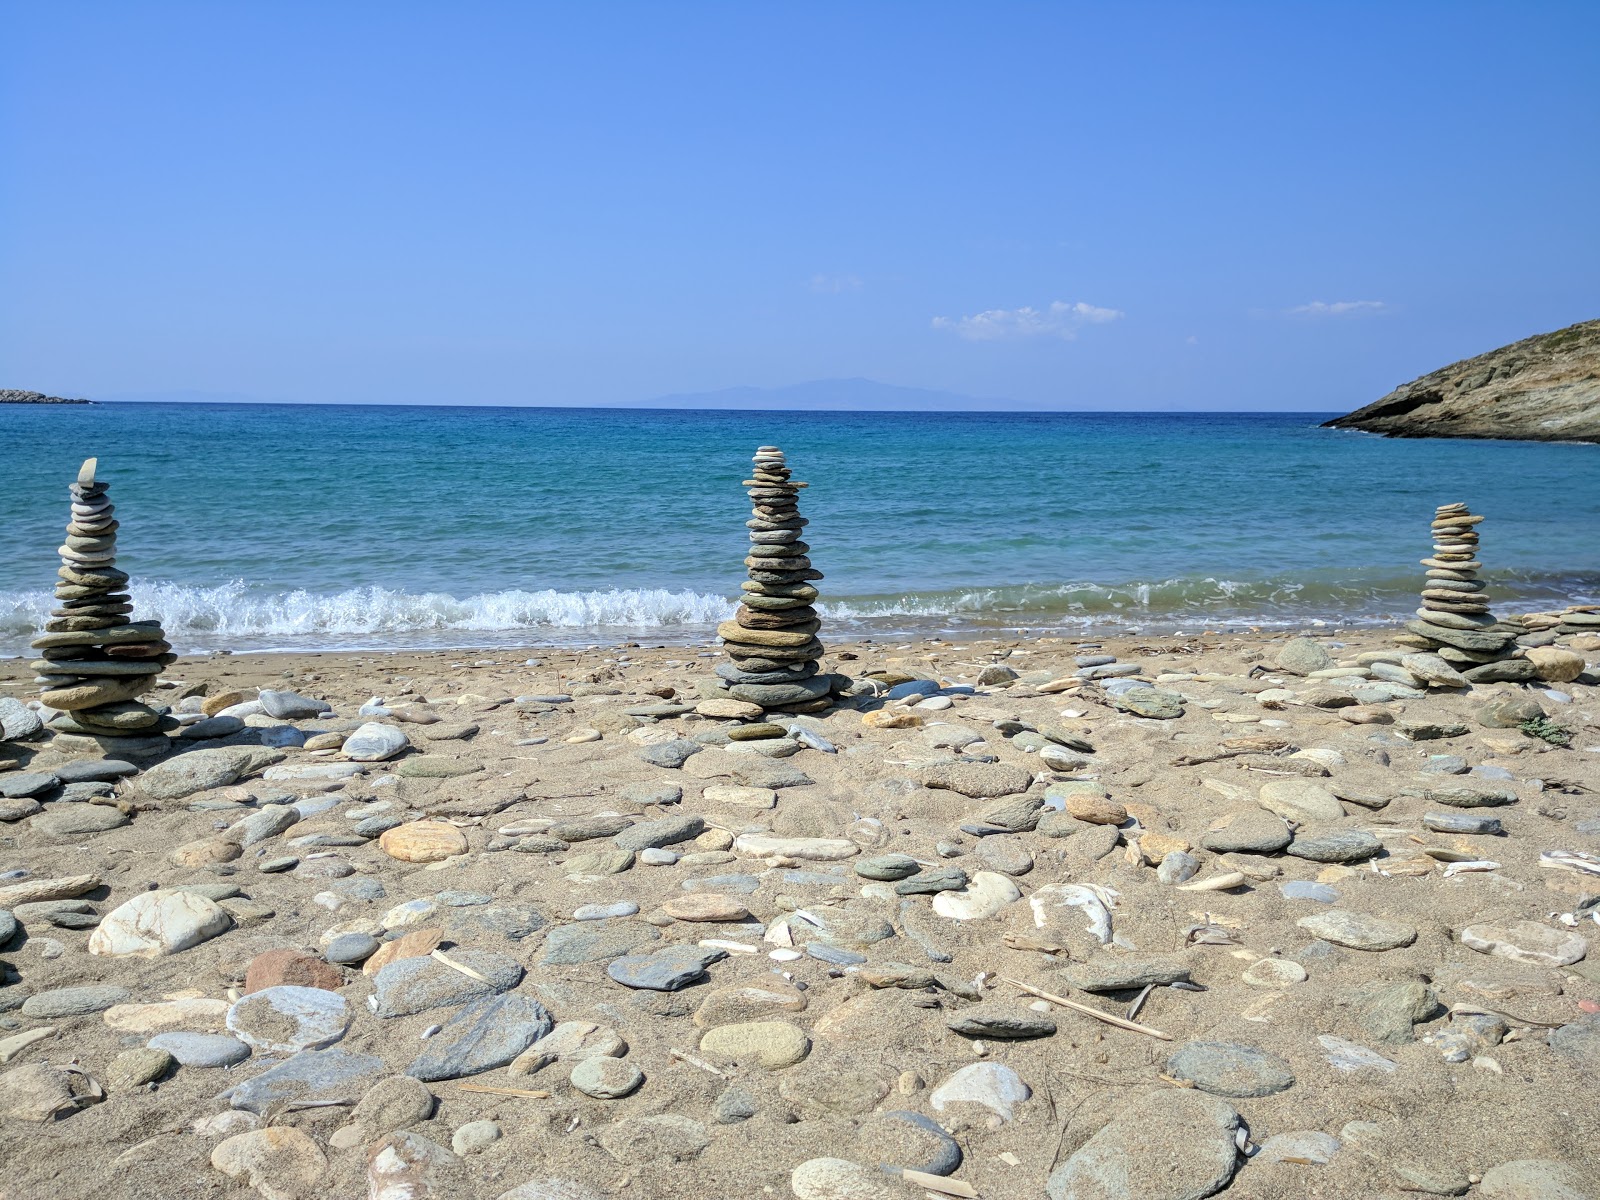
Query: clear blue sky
{"points": [[1073, 205]]}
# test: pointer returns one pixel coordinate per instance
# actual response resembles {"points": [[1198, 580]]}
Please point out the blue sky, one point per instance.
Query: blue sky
{"points": [[1101, 206]]}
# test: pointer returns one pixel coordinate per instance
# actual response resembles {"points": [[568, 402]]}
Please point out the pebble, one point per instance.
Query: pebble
{"points": [[1274, 973], [154, 924], [1335, 846], [413, 985], [279, 1162], [840, 1179], [1305, 889], [897, 1138], [1003, 1021], [1169, 1145], [991, 1085], [134, 1068], [329, 1074], [666, 970], [488, 1032], [474, 1137], [604, 1078], [1460, 822], [1526, 942], [286, 1019], [71, 1001], [350, 948], [391, 1104], [1230, 1069], [1358, 931], [1301, 801], [986, 894], [201, 1049]]}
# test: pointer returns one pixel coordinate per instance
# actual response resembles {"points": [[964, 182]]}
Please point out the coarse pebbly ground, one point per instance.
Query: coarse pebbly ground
{"points": [[560, 936]]}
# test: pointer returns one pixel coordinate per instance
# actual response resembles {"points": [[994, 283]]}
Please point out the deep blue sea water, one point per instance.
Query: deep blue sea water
{"points": [[252, 526]]}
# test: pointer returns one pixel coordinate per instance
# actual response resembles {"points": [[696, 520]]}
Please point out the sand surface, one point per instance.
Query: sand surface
{"points": [[876, 1021]]}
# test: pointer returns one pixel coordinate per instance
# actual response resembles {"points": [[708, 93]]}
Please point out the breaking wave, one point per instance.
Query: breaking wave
{"points": [[245, 616]]}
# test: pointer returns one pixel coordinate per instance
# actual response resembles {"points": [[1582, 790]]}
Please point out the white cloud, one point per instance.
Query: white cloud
{"points": [[1061, 320], [836, 283], [1337, 308]]}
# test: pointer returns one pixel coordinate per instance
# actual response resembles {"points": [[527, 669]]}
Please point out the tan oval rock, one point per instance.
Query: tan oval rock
{"points": [[280, 1162], [423, 842], [212, 705], [206, 851], [1096, 810], [1555, 664], [194, 1014], [705, 906], [768, 1044]]}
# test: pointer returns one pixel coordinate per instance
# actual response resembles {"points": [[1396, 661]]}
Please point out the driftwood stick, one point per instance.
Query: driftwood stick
{"points": [[1119, 1022]]}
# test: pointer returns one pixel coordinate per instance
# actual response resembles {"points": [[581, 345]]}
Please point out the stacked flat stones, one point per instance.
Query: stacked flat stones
{"points": [[94, 661], [1454, 620], [772, 639]]}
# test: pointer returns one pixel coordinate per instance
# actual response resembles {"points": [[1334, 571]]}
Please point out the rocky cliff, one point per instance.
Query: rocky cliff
{"points": [[1544, 388], [14, 396]]}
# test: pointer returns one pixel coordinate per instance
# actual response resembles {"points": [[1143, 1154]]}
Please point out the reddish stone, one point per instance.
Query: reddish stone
{"points": [[276, 967]]}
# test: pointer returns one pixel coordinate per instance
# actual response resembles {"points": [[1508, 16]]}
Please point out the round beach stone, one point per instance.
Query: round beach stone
{"points": [[1250, 831], [1536, 1179], [423, 842], [1301, 801], [286, 1019], [1526, 942], [768, 1044], [1274, 972], [1230, 1069], [1335, 846], [347, 949], [153, 924], [1358, 931], [985, 894], [201, 1050], [72, 1001], [605, 1078], [375, 742], [840, 1179], [705, 906], [1172, 1145], [137, 1067], [279, 1162], [887, 867]]}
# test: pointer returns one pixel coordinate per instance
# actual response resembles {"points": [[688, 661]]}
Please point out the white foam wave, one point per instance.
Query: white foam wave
{"points": [[240, 610]]}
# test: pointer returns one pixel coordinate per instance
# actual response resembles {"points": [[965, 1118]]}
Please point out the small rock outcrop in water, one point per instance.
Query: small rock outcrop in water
{"points": [[93, 660], [772, 639], [18, 396], [1544, 388], [1454, 621]]}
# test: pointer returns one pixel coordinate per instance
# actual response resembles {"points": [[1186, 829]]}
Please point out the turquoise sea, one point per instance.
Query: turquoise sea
{"points": [[302, 527]]}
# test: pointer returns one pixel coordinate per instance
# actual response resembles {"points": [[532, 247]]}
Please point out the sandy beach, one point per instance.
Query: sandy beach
{"points": [[789, 949]]}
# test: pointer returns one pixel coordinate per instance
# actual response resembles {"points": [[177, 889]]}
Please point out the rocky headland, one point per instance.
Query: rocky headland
{"points": [[19, 396], [1544, 388]]}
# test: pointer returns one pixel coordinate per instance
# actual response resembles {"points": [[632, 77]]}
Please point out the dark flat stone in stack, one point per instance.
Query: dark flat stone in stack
{"points": [[94, 661], [1454, 620], [772, 638]]}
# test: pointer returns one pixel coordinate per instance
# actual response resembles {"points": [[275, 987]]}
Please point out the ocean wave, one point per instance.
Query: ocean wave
{"points": [[240, 615], [241, 611]]}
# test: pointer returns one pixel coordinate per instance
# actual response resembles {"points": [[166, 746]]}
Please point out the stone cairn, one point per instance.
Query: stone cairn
{"points": [[94, 661], [772, 639], [1454, 620]]}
